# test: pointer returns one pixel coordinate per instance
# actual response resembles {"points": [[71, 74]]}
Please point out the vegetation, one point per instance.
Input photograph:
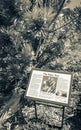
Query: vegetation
{"points": [[37, 34]]}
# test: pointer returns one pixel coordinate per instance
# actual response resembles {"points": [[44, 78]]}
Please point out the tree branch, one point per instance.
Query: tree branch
{"points": [[74, 19], [61, 6]]}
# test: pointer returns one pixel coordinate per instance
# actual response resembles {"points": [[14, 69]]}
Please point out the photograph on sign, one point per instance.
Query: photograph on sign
{"points": [[49, 86]]}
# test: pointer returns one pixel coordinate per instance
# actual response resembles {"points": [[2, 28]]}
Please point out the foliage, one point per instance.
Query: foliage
{"points": [[8, 11], [11, 64], [35, 34]]}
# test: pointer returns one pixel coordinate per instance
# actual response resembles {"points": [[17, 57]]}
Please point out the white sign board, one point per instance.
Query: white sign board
{"points": [[50, 87]]}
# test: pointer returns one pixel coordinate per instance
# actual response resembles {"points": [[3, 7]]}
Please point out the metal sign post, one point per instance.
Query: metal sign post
{"points": [[35, 110], [50, 105]]}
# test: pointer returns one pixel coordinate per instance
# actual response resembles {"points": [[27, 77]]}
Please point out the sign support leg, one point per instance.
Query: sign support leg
{"points": [[35, 110], [63, 115]]}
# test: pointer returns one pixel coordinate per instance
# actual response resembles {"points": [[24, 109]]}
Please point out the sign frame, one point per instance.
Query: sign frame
{"points": [[45, 100]]}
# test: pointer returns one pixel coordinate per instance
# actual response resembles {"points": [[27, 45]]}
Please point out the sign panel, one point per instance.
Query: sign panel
{"points": [[50, 87]]}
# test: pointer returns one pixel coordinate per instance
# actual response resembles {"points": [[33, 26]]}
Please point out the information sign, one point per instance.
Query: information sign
{"points": [[49, 87]]}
